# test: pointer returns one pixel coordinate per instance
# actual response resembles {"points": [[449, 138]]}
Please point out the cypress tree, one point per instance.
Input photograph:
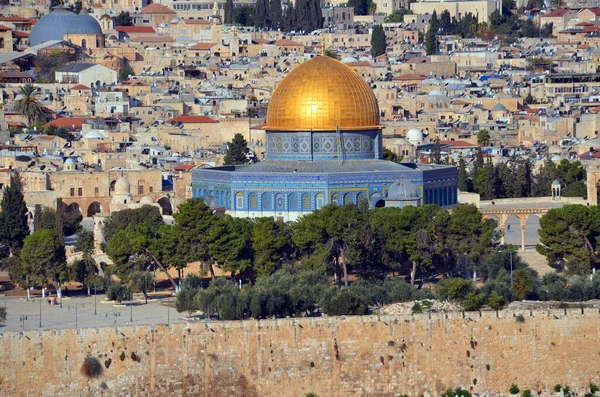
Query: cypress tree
{"points": [[229, 11], [14, 225], [431, 36], [236, 151], [378, 42], [260, 13], [463, 181], [276, 14], [436, 156], [60, 213]]}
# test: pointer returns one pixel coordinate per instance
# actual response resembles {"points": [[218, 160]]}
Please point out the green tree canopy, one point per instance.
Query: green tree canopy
{"points": [[237, 150], [378, 41], [43, 257], [28, 105], [14, 226]]}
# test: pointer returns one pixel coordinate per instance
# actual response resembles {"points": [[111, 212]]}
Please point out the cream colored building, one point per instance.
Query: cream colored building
{"points": [[481, 8]]}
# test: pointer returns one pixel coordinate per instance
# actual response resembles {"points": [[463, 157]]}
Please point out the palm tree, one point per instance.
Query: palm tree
{"points": [[483, 137], [28, 105]]}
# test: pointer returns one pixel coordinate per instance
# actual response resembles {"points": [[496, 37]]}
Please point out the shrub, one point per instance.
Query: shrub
{"points": [[593, 388], [526, 393], [454, 289], [495, 301], [185, 301], [557, 388], [2, 314], [119, 292], [514, 389], [473, 302], [91, 367], [520, 318], [458, 392], [417, 308], [341, 302]]}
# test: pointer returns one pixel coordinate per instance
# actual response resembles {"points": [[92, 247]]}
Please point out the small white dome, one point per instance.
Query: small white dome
{"points": [[147, 200], [348, 59], [69, 161], [414, 136], [94, 135], [122, 186], [401, 190], [436, 93]]}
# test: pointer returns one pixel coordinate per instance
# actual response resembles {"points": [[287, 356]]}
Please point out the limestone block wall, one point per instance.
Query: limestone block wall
{"points": [[354, 356]]}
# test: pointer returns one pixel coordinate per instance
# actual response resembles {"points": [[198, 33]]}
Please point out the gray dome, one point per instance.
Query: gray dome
{"points": [[499, 108], [555, 183], [402, 190], [61, 21]]}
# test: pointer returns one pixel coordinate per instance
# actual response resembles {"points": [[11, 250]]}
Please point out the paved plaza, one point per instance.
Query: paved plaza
{"points": [[55, 317]]}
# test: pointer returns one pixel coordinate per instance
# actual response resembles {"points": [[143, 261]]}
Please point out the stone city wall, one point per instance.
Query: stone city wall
{"points": [[346, 356]]}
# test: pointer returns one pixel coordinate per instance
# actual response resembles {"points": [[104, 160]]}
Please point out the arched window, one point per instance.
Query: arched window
{"points": [[266, 202], [347, 199], [239, 200], [320, 200], [359, 197], [83, 43], [252, 202], [334, 199], [293, 202], [305, 202]]}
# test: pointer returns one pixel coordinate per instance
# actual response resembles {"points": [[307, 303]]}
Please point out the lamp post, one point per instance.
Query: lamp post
{"points": [[40, 299], [511, 266], [95, 311], [76, 306], [115, 314], [22, 319]]}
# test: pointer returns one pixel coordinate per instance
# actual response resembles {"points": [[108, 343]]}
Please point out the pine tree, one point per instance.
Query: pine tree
{"points": [[276, 14], [236, 151], [229, 11], [431, 45], [378, 42], [436, 155], [463, 181], [14, 225], [261, 13]]}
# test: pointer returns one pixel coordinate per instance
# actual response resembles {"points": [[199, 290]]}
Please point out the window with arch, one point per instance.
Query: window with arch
{"points": [[359, 197], [83, 43], [320, 200], [334, 198], [347, 199], [266, 201], [305, 202], [279, 204], [239, 200], [293, 202], [252, 201]]}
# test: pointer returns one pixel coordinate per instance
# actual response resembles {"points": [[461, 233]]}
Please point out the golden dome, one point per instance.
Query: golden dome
{"points": [[320, 95]]}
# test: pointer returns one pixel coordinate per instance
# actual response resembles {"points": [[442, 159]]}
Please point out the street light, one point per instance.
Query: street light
{"points": [[40, 312], [76, 306], [511, 266], [22, 319], [115, 314], [95, 312]]}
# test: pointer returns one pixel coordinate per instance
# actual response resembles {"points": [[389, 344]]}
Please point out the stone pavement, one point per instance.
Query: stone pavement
{"points": [[55, 317]]}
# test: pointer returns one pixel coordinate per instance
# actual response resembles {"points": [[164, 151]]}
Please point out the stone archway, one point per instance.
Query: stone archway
{"points": [[73, 207], [94, 208], [165, 205]]}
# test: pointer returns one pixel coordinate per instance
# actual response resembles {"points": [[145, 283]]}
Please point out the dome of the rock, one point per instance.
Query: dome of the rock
{"points": [[322, 94]]}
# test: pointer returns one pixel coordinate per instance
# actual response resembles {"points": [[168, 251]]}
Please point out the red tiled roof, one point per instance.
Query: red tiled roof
{"points": [[15, 19], [594, 10], [15, 124], [192, 119], [18, 33], [156, 8], [184, 167], [4, 28], [80, 87], [260, 40], [69, 122], [135, 29], [456, 143], [203, 46], [556, 13], [409, 76], [15, 75], [259, 127], [595, 154]]}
